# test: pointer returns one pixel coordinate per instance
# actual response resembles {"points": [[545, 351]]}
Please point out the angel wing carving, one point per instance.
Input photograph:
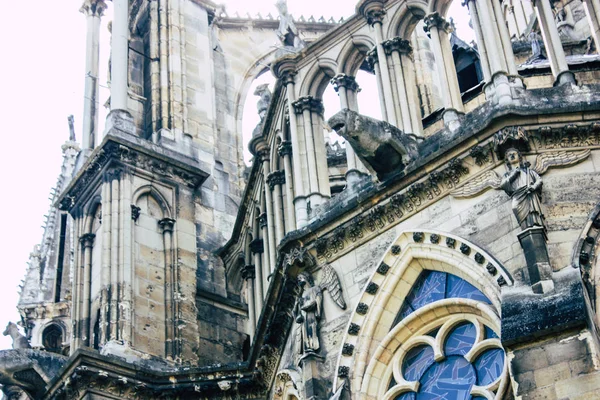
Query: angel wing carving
{"points": [[485, 181], [559, 159], [331, 282]]}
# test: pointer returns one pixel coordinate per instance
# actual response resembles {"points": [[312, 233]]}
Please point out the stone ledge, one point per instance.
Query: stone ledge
{"points": [[527, 316]]}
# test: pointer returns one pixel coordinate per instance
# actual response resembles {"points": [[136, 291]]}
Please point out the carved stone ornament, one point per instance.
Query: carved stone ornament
{"points": [[436, 20], [450, 242], [299, 255], [308, 103], [465, 249], [383, 268], [257, 246], [346, 81], [418, 237], [18, 340], [491, 269], [135, 212], [120, 154], [276, 178], [372, 288], [309, 306], [285, 148], [248, 272], [398, 44], [353, 329], [383, 148], [434, 238], [396, 249], [347, 349], [362, 308]]}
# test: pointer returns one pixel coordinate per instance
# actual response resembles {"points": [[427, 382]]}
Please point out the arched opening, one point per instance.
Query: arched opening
{"points": [[431, 307], [52, 338]]}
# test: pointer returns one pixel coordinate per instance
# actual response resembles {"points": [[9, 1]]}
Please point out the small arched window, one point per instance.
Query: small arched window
{"points": [[52, 338]]}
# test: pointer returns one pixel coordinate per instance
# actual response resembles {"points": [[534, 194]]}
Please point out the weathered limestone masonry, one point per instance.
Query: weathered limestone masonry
{"points": [[447, 251]]}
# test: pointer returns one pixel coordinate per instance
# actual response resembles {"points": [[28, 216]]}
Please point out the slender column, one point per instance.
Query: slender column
{"points": [[373, 61], [119, 55], [374, 17], [87, 241], [509, 56], [93, 10], [311, 110], [274, 182], [106, 248], [163, 64], [392, 48], [249, 274], [114, 256], [154, 68], [285, 151], [76, 288], [266, 268], [269, 234], [553, 44], [285, 70], [257, 248], [170, 317], [592, 10], [481, 43], [414, 107], [437, 28]]}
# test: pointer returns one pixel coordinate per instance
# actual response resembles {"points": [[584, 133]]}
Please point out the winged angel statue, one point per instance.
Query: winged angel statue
{"points": [[522, 182], [309, 306]]}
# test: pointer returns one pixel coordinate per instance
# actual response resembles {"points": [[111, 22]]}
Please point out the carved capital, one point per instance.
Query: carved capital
{"points": [[276, 178], [257, 246], [87, 239], [372, 10], [135, 212], [285, 69], [301, 256], [93, 8], [308, 103], [166, 224], [112, 175], [398, 44], [343, 80], [285, 148], [248, 272], [372, 58], [435, 20]]}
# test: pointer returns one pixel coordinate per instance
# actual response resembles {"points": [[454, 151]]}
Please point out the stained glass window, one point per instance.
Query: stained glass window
{"points": [[432, 286], [452, 377]]}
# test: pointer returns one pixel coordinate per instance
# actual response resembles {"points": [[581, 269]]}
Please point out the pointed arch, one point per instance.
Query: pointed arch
{"points": [[406, 17], [151, 191], [317, 79], [353, 54], [373, 326], [90, 212]]}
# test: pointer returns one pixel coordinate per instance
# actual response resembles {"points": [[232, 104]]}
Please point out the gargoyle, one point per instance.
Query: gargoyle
{"points": [[383, 148], [309, 307]]}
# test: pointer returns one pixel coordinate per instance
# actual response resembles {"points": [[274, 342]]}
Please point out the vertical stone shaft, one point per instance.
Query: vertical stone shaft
{"points": [[285, 151], [164, 64], [93, 10], [553, 44], [491, 37], [257, 249], [275, 181], [509, 56], [269, 235], [119, 55], [266, 268], [170, 317], [107, 289], [592, 8], [481, 43], [298, 184], [87, 241], [114, 258], [154, 66], [410, 80], [385, 74], [76, 288]]}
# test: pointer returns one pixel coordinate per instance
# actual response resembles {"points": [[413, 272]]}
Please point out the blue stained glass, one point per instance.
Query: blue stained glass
{"points": [[489, 366], [460, 340], [427, 290], [490, 334], [432, 286], [417, 360], [406, 396], [451, 379], [459, 288], [392, 383], [478, 398]]}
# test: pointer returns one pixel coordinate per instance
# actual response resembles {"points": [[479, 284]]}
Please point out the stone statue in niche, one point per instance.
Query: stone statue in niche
{"points": [[19, 341], [288, 32], [309, 306], [536, 47], [524, 186], [383, 148], [521, 182]]}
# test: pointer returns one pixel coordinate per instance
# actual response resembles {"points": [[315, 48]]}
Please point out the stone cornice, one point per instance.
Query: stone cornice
{"points": [[132, 154]]}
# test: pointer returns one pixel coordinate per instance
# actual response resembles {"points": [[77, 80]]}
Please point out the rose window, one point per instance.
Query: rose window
{"points": [[461, 359]]}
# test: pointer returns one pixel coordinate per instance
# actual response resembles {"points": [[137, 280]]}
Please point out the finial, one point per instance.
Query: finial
{"points": [[71, 128]]}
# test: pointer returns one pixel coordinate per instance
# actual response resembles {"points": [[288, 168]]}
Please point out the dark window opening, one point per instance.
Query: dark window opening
{"points": [[52, 338], [61, 257]]}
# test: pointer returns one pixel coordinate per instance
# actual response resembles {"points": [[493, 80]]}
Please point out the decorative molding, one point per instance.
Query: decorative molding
{"points": [[308, 103], [345, 81]]}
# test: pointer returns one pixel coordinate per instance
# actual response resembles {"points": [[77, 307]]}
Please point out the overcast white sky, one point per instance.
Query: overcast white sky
{"points": [[43, 48]]}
